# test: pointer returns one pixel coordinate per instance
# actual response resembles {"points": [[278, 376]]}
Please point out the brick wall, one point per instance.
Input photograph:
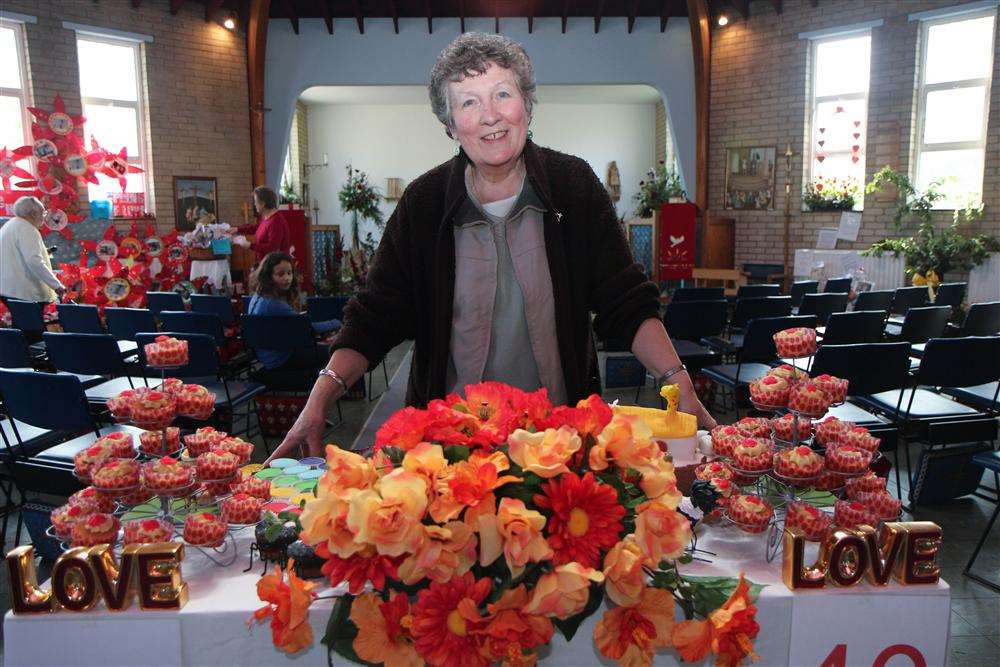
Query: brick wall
{"points": [[759, 95], [196, 89]]}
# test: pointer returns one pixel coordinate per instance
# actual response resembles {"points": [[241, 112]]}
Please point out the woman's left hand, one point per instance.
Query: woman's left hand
{"points": [[690, 404]]}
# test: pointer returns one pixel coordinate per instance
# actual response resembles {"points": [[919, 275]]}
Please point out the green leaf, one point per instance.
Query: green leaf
{"points": [[394, 454], [710, 593], [569, 626], [456, 453]]}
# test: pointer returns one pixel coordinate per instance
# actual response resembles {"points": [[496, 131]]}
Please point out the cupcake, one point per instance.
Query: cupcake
{"points": [[137, 497], [211, 490], [753, 455], [154, 411], [97, 528], [808, 398], [120, 443], [798, 462], [121, 405], [755, 427], [148, 531], [93, 499], [859, 437], [847, 460], [751, 513], [724, 439], [241, 508], [261, 488], [851, 514], [809, 519], [167, 475], [204, 529], [726, 488], [713, 470], [115, 474], [151, 442], [85, 460], [770, 390], [194, 401], [867, 483], [882, 504], [203, 440], [789, 373], [166, 351], [783, 428], [241, 448], [217, 465], [828, 481], [171, 386], [795, 342], [66, 516], [834, 387], [828, 431]]}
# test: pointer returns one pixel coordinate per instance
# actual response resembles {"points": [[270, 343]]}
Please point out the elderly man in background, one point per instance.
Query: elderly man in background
{"points": [[25, 269]]}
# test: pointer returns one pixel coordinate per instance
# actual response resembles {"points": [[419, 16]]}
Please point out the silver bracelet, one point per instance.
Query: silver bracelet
{"points": [[335, 376], [679, 368]]}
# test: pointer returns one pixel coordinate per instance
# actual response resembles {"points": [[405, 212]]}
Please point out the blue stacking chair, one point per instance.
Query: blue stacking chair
{"points": [[93, 355], [215, 304], [84, 318], [125, 323], [800, 289], [822, 305], [40, 442], [209, 324], [758, 291], [29, 317], [874, 300], [989, 461], [324, 308], [160, 301], [840, 285], [203, 368], [14, 350], [698, 294], [857, 326]]}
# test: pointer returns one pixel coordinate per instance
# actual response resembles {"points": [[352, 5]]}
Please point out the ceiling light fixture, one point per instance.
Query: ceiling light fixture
{"points": [[229, 23], [723, 20]]}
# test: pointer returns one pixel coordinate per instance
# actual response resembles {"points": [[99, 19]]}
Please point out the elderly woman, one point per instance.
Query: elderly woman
{"points": [[25, 268], [272, 233], [494, 260]]}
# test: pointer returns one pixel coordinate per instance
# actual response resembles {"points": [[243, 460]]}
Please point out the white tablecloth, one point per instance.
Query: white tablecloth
{"points": [[211, 630], [216, 270]]}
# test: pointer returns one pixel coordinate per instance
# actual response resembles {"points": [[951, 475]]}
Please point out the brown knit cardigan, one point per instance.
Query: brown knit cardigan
{"points": [[411, 282]]}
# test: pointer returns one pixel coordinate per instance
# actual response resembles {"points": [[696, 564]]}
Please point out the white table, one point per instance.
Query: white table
{"points": [[211, 628], [215, 270]]}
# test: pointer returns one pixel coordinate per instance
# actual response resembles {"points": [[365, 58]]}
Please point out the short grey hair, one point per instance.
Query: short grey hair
{"points": [[29, 207], [471, 53]]}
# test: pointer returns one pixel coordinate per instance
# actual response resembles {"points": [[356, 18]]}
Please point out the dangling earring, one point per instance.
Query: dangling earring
{"points": [[530, 135]]}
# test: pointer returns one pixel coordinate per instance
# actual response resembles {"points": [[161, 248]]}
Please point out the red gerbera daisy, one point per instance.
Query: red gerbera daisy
{"points": [[446, 621], [358, 569], [586, 518]]}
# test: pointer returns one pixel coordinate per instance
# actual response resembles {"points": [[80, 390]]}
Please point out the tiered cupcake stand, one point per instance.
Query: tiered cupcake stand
{"points": [[173, 504]]}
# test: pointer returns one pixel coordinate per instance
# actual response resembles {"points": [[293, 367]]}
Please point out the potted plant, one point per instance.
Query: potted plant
{"points": [[287, 194], [359, 198], [930, 252], [662, 186], [831, 194]]}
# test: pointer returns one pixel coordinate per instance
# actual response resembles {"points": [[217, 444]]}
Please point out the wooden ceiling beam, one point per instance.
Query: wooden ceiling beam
{"points": [[565, 15], [257, 13], [599, 11], [293, 16], [631, 15], [699, 18], [358, 16], [395, 15], [175, 6], [742, 7], [327, 16], [210, 8]]}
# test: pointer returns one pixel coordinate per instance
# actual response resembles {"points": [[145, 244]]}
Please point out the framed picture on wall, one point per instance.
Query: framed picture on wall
{"points": [[750, 178], [196, 200], [641, 234]]}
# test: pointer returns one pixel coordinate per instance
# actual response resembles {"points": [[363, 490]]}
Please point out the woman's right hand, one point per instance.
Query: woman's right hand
{"points": [[307, 429]]}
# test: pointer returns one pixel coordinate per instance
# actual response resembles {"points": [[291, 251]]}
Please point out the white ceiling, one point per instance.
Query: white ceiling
{"points": [[390, 95]]}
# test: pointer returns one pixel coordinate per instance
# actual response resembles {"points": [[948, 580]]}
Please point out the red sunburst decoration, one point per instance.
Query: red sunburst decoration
{"points": [[114, 165]]}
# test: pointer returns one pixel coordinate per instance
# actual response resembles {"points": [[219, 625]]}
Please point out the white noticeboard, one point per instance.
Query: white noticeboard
{"points": [[850, 224], [826, 239], [888, 630]]}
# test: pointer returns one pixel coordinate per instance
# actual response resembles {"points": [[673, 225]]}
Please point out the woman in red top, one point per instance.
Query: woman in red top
{"points": [[272, 234]]}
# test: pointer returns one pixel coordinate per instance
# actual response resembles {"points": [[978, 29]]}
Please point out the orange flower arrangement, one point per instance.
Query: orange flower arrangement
{"points": [[485, 522], [288, 607]]}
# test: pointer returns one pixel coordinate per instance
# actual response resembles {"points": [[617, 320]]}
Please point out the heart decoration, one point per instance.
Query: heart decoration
{"points": [[821, 142], [820, 158], [854, 159], [839, 110], [822, 130], [855, 148], [857, 123], [857, 135]]}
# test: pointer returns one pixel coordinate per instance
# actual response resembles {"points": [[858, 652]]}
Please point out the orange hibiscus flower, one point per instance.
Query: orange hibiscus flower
{"points": [[447, 624], [632, 634], [288, 607], [384, 631], [510, 634], [470, 484], [728, 632]]}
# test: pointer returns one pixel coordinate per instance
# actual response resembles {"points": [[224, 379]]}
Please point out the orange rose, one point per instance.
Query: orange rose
{"points": [[632, 634], [563, 592], [443, 552], [659, 482], [469, 484], [390, 517], [517, 531], [426, 460], [324, 519], [627, 441], [624, 579], [544, 453], [660, 531], [345, 470]]}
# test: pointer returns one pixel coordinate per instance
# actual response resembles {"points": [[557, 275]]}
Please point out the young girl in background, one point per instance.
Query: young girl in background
{"points": [[277, 293]]}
